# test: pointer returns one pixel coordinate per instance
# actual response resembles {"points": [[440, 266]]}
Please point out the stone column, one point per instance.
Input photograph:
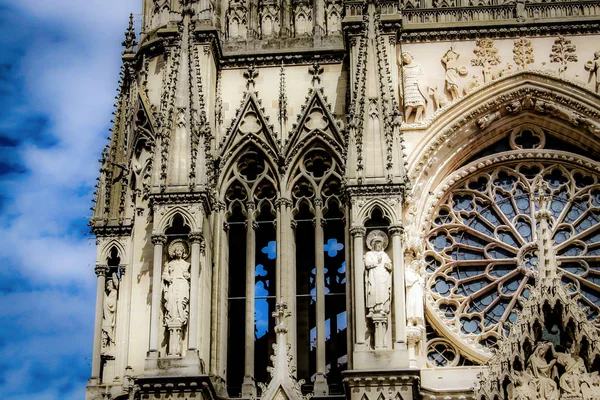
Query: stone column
{"points": [[399, 290], [320, 387], [123, 319], [159, 240], [358, 234], [196, 239], [101, 272], [249, 385]]}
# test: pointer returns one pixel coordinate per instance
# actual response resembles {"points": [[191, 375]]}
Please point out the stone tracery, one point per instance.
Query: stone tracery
{"points": [[481, 250]]}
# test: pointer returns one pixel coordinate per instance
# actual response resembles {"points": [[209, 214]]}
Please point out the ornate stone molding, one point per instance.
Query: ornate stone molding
{"points": [[532, 92], [101, 270], [418, 34], [158, 238]]}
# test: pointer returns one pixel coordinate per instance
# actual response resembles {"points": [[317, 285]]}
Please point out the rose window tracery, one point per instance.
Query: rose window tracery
{"points": [[482, 252]]}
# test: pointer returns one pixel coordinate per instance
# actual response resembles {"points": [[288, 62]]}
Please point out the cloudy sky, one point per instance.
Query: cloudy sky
{"points": [[59, 66]]}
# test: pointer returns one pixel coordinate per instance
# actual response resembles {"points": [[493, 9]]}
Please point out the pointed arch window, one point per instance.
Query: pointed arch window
{"points": [[320, 269], [251, 215]]}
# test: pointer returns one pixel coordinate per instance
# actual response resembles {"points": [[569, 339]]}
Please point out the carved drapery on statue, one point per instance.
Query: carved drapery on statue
{"points": [[176, 293], [109, 311], [413, 89], [415, 289], [378, 284]]}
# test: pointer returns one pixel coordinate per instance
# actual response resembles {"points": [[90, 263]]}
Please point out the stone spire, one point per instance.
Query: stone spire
{"points": [[283, 384], [129, 43], [374, 119]]}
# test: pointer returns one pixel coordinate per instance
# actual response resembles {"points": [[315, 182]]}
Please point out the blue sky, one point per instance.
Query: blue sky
{"points": [[59, 66]]}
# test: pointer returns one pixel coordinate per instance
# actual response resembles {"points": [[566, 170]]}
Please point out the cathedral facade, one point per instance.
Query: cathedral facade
{"points": [[369, 199]]}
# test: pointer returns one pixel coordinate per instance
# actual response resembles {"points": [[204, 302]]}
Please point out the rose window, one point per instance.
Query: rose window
{"points": [[482, 252]]}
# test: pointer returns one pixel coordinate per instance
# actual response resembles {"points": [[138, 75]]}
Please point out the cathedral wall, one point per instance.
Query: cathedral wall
{"points": [[293, 84]]}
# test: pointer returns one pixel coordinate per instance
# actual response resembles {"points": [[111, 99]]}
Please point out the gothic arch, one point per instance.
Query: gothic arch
{"points": [[113, 243], [386, 209], [228, 176], [165, 218], [474, 123]]}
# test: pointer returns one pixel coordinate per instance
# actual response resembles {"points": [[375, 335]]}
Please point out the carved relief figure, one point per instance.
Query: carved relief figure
{"points": [[543, 372], [523, 53], [594, 68], [486, 56], [109, 310], [176, 278], [415, 285], [563, 52], [439, 100], [378, 275], [414, 87], [570, 381], [453, 70]]}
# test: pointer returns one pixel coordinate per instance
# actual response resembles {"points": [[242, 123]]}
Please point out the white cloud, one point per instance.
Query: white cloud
{"points": [[68, 62]]}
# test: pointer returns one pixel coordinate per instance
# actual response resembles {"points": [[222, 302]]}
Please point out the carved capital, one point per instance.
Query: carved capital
{"points": [[196, 237], [282, 201], [396, 230], [158, 239], [358, 231], [413, 335], [101, 270]]}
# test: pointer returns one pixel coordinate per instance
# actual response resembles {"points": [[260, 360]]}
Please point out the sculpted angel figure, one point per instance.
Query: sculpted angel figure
{"points": [[415, 285], [176, 278], [414, 88], [378, 275]]}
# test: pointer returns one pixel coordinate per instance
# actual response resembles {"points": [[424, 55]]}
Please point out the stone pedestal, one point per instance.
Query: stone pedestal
{"points": [[190, 365]]}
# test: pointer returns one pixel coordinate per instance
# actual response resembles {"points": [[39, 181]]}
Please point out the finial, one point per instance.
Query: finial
{"points": [[129, 43], [316, 70], [280, 314], [251, 74]]}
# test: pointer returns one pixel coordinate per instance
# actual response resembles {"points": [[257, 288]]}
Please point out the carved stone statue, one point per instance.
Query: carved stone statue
{"points": [[453, 70], [378, 275], [176, 293], [109, 310], [378, 284], [414, 88], [570, 380], [594, 68], [415, 285], [543, 372]]}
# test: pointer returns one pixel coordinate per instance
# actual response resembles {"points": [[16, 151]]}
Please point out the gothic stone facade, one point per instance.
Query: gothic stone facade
{"points": [[364, 198]]}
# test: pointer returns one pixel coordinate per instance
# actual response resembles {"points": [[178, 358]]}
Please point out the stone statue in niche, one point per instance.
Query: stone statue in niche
{"points": [[414, 87], [109, 311], [594, 67], [453, 71], [176, 293], [378, 284], [415, 293]]}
